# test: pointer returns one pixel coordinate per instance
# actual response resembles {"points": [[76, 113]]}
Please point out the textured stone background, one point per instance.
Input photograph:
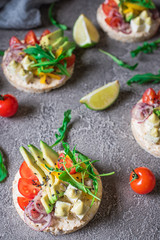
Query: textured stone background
{"points": [[102, 135]]}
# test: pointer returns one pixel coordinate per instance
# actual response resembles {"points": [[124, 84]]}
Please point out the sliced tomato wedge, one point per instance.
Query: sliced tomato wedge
{"points": [[26, 172], [31, 38], [28, 187], [149, 96], [113, 22], [112, 3], [14, 40], [70, 60], [45, 32], [23, 202], [106, 8], [68, 164]]}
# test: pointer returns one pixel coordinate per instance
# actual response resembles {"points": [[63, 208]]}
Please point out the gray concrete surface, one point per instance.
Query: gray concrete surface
{"points": [[104, 135]]}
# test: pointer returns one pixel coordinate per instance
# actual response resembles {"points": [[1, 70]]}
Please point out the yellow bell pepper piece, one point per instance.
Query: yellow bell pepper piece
{"points": [[134, 6], [53, 76], [59, 52], [43, 79]]}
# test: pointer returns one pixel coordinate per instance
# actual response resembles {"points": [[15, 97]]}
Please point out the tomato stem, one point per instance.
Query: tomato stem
{"points": [[1, 98], [134, 176]]}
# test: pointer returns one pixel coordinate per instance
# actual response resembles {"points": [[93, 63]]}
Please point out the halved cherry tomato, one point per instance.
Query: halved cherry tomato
{"points": [[23, 202], [113, 22], [28, 187], [26, 172], [31, 38], [70, 60], [8, 105], [45, 32], [106, 8], [142, 180], [149, 96], [14, 40], [68, 164]]}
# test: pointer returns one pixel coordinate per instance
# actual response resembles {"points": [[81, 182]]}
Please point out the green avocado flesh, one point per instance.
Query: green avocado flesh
{"points": [[36, 161], [59, 42], [50, 38], [67, 45]]}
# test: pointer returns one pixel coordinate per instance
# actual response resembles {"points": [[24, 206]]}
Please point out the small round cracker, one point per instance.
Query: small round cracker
{"points": [[36, 86], [62, 225], [133, 37]]}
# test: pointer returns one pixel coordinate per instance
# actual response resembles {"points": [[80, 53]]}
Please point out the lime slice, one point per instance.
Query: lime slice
{"points": [[84, 32], [102, 97]]}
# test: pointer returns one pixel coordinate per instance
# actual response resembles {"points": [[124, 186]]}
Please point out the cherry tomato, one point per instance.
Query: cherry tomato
{"points": [[23, 202], [14, 40], [28, 187], [68, 164], [45, 32], [31, 38], [113, 22], [149, 96], [142, 180], [70, 60], [26, 172], [8, 105]]}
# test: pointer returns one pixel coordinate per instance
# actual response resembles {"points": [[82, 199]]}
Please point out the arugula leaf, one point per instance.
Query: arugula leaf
{"points": [[118, 61], [63, 128], [157, 112], [3, 170], [144, 3], [1, 53], [53, 21], [145, 48], [144, 78]]}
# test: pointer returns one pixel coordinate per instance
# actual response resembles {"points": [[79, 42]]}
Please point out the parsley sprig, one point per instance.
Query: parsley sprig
{"points": [[146, 48], [118, 61], [3, 170], [144, 78], [47, 61]]}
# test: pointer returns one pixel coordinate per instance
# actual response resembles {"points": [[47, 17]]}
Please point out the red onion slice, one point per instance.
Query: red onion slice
{"points": [[141, 111]]}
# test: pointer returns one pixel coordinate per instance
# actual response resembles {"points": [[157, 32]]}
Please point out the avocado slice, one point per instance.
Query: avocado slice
{"points": [[49, 154], [129, 16], [50, 38], [67, 45], [59, 42], [37, 154], [46, 203], [31, 162]]}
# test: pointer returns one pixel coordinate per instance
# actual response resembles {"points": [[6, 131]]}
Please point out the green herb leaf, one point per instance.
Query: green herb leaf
{"points": [[144, 3], [63, 128], [118, 61], [157, 112], [3, 170], [144, 78], [1, 53], [146, 48], [53, 21]]}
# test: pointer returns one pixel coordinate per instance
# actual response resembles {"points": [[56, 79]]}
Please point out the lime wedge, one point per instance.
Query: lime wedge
{"points": [[84, 32], [102, 97]]}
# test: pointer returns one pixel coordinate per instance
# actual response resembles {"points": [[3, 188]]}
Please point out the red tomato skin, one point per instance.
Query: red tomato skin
{"points": [[149, 96], [27, 188], [23, 202], [70, 60], [8, 106], [26, 172], [69, 163], [14, 40], [45, 32], [31, 38], [146, 181]]}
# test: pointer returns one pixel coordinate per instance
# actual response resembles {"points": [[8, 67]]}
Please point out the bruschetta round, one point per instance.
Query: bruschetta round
{"points": [[39, 65], [145, 122], [127, 21]]}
